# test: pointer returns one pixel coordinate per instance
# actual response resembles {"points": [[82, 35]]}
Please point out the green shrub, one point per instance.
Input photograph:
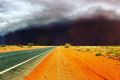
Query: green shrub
{"points": [[78, 50], [20, 45], [77, 46], [30, 44], [67, 45], [98, 54], [2, 45], [116, 54], [88, 50]]}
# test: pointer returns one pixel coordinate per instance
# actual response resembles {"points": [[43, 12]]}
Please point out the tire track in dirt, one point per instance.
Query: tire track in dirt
{"points": [[81, 67], [89, 72], [68, 70], [92, 65]]}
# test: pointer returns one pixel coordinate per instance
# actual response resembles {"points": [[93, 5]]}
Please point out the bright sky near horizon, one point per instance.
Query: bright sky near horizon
{"points": [[19, 14]]}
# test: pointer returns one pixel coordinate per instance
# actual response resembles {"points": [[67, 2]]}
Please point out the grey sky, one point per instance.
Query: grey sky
{"points": [[19, 14]]}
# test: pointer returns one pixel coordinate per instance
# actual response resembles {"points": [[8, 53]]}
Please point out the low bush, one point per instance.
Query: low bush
{"points": [[116, 54], [98, 54], [20, 45], [30, 44], [2, 45], [87, 50], [67, 45]]}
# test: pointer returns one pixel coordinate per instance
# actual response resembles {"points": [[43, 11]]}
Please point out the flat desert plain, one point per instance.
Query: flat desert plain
{"points": [[17, 48], [76, 63]]}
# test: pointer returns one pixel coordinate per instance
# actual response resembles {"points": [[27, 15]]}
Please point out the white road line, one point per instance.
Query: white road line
{"points": [[2, 72]]}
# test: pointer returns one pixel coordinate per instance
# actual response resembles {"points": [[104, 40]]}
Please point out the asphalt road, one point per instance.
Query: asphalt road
{"points": [[14, 59]]}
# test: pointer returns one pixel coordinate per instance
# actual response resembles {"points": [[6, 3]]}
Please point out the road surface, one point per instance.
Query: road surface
{"points": [[14, 59]]}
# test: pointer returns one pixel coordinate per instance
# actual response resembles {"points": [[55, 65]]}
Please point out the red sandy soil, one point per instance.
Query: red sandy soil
{"points": [[69, 64]]}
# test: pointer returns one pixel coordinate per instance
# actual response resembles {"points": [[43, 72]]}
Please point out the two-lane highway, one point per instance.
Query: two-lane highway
{"points": [[11, 60]]}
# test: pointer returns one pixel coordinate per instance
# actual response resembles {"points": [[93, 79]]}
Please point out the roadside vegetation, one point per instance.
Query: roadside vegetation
{"points": [[30, 45], [110, 52], [2, 45], [98, 54], [20, 45], [67, 45]]}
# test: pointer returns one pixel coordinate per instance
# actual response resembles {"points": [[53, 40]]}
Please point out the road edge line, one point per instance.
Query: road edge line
{"points": [[6, 70]]}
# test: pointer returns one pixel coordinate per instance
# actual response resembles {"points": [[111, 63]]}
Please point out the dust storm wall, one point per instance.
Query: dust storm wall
{"points": [[94, 31]]}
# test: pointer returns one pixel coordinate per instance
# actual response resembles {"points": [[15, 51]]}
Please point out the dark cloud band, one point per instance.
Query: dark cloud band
{"points": [[19, 14]]}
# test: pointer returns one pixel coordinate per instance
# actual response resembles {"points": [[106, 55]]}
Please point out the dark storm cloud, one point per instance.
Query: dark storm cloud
{"points": [[19, 14]]}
